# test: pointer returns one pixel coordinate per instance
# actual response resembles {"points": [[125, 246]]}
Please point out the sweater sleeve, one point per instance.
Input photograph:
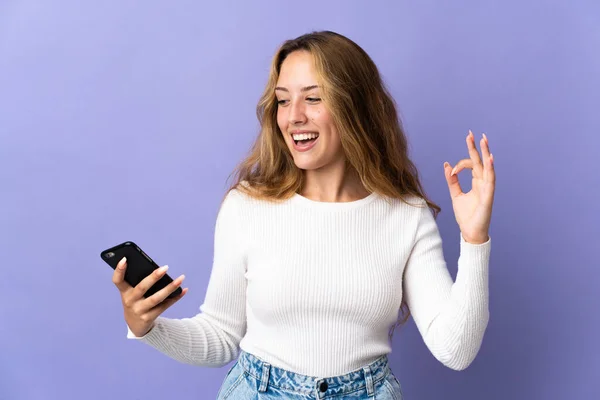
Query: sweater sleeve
{"points": [[211, 338], [451, 316]]}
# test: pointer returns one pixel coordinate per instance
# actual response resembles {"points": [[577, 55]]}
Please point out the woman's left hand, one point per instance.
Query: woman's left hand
{"points": [[473, 210]]}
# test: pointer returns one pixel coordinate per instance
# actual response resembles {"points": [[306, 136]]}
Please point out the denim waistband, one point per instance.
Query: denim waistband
{"points": [[269, 375]]}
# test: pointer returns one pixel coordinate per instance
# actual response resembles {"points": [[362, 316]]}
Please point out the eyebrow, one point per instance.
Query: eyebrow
{"points": [[304, 89]]}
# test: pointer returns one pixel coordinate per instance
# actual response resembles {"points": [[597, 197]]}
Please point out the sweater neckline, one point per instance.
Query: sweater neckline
{"points": [[332, 205]]}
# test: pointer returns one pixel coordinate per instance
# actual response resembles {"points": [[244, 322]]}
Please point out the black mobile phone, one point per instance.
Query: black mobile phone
{"points": [[139, 266]]}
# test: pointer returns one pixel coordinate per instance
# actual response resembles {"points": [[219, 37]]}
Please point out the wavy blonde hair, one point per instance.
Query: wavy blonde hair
{"points": [[365, 116]]}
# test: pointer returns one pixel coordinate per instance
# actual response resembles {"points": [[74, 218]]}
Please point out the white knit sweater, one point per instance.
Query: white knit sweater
{"points": [[313, 287]]}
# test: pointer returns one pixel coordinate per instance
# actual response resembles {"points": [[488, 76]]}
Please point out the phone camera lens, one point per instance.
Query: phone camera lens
{"points": [[110, 255]]}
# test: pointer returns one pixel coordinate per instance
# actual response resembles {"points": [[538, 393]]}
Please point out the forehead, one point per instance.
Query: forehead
{"points": [[297, 70]]}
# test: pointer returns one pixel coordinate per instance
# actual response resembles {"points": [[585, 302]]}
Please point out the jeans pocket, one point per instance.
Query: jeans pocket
{"points": [[392, 383], [233, 378]]}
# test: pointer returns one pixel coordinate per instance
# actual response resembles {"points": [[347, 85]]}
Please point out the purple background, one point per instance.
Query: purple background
{"points": [[121, 120]]}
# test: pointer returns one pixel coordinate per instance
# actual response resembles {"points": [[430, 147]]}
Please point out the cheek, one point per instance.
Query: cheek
{"points": [[323, 120], [281, 120], [316, 117]]}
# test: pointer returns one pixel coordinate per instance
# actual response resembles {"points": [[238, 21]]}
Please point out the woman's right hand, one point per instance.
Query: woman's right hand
{"points": [[140, 312]]}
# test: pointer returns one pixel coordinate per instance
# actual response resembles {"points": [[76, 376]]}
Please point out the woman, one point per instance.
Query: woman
{"points": [[324, 237]]}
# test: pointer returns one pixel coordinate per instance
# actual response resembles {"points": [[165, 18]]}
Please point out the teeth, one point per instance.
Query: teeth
{"points": [[305, 136]]}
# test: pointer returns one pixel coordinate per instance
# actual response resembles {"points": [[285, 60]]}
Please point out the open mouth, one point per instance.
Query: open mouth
{"points": [[304, 139]]}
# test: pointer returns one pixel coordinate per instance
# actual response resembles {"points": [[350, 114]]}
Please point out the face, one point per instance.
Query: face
{"points": [[306, 124]]}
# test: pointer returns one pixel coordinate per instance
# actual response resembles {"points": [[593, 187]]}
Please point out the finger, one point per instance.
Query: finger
{"points": [[474, 154], [118, 276], [162, 294], [452, 180], [158, 310], [485, 148], [142, 287], [465, 163], [489, 173]]}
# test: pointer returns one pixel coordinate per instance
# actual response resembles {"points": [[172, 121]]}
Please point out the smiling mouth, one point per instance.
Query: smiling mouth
{"points": [[304, 142], [304, 139]]}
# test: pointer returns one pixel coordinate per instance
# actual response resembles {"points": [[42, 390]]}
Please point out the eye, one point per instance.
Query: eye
{"points": [[313, 99], [281, 102]]}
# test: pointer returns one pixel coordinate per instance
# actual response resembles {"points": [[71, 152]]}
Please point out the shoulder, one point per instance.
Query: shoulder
{"points": [[240, 195], [411, 214], [240, 201], [233, 201], [410, 205]]}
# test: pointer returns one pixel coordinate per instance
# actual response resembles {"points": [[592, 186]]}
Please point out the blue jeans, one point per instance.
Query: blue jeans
{"points": [[251, 376]]}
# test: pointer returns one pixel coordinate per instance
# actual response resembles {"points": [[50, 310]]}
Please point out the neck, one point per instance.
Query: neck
{"points": [[333, 183]]}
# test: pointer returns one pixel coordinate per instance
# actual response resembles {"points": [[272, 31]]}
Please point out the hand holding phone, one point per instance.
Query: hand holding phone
{"points": [[146, 290]]}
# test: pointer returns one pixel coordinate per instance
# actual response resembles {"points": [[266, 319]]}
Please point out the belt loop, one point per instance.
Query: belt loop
{"points": [[264, 379], [369, 381]]}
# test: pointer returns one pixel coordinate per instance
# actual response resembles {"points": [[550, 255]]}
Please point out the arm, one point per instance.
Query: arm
{"points": [[211, 338], [451, 316]]}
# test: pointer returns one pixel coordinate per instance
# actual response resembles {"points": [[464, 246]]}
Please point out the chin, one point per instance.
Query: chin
{"points": [[309, 163], [313, 159], [307, 166]]}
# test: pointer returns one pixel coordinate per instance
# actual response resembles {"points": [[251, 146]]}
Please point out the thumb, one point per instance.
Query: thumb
{"points": [[452, 180]]}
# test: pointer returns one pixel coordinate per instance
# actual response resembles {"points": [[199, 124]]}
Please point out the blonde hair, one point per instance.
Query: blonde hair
{"points": [[366, 118]]}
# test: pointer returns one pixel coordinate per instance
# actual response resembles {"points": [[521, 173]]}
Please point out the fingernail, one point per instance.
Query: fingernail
{"points": [[163, 269], [453, 171], [122, 263], [485, 137], [492, 158]]}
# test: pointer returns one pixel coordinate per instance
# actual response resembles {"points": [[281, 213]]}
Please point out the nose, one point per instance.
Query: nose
{"points": [[297, 114]]}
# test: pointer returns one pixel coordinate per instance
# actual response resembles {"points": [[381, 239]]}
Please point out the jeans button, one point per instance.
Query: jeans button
{"points": [[323, 387]]}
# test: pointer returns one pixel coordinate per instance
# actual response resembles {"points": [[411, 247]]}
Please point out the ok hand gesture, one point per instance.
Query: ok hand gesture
{"points": [[473, 210]]}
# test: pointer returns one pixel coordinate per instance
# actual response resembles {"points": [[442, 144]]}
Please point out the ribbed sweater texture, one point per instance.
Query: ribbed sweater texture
{"points": [[314, 287]]}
